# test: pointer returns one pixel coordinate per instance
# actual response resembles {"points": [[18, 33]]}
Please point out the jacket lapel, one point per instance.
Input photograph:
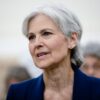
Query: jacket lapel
{"points": [[36, 89]]}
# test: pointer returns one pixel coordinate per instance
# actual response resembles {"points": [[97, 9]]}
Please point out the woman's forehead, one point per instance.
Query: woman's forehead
{"points": [[42, 22]]}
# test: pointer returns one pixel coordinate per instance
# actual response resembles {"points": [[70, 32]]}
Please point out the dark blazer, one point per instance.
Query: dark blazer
{"points": [[85, 88]]}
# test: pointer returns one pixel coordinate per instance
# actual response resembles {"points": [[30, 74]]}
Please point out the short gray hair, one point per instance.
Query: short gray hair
{"points": [[92, 49], [64, 19]]}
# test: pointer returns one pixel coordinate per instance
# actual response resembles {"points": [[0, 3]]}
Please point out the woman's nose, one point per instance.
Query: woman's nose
{"points": [[38, 42]]}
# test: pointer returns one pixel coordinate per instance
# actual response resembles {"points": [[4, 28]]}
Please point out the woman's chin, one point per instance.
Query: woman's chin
{"points": [[42, 66]]}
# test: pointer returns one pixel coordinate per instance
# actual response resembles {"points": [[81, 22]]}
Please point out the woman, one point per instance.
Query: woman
{"points": [[91, 53], [54, 33]]}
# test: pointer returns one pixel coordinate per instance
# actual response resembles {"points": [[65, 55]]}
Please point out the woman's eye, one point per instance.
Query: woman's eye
{"points": [[47, 33], [31, 37]]}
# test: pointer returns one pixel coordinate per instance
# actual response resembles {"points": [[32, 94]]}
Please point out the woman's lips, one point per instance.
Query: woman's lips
{"points": [[42, 55]]}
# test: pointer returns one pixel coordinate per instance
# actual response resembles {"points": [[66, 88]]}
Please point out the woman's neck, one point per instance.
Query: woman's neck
{"points": [[59, 77]]}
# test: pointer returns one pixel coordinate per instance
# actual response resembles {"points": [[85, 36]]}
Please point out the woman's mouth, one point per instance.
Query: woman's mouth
{"points": [[42, 55]]}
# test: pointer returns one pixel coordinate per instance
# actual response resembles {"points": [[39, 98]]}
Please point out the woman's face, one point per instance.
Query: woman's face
{"points": [[91, 66], [47, 44]]}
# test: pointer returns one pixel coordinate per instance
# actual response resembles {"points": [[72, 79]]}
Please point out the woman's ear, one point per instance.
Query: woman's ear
{"points": [[73, 40]]}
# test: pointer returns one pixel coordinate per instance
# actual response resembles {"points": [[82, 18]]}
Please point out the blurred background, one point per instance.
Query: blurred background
{"points": [[14, 46]]}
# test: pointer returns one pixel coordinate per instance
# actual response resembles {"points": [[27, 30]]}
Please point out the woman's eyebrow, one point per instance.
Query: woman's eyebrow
{"points": [[41, 31], [30, 33], [47, 29]]}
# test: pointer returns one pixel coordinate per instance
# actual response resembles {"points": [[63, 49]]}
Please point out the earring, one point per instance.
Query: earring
{"points": [[72, 46]]}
